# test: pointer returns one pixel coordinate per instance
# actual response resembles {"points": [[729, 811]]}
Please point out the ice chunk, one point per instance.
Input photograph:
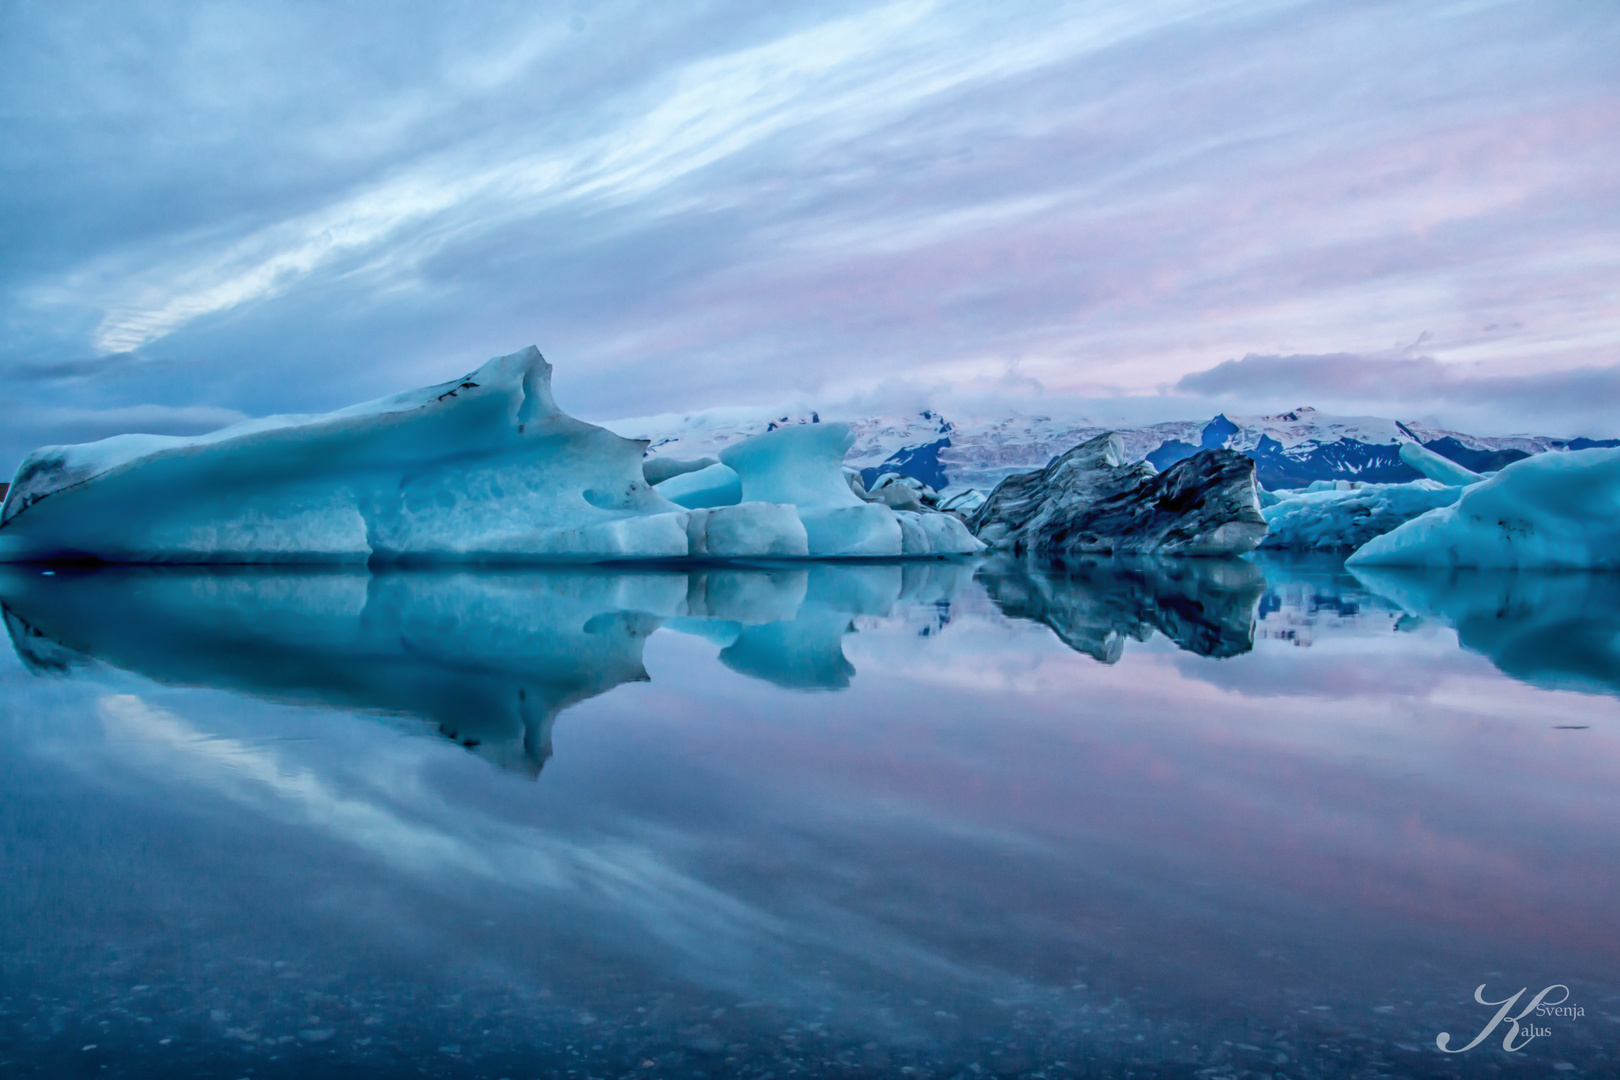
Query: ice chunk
{"points": [[801, 464], [897, 497], [865, 529], [1331, 518], [715, 485], [963, 502], [1435, 467], [656, 470], [1551, 511], [913, 539], [946, 534], [747, 530]]}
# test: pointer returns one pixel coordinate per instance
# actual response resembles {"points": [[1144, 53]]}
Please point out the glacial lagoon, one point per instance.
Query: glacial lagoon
{"points": [[1197, 818]]}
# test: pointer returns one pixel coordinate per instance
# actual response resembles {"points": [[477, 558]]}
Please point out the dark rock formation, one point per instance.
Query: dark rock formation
{"points": [[1089, 502], [1093, 604]]}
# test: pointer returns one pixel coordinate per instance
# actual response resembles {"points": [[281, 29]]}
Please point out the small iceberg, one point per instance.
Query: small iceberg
{"points": [[485, 468], [1342, 515], [1334, 518]]}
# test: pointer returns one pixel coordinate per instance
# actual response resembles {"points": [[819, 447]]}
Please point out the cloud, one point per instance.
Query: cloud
{"points": [[687, 207], [1399, 383], [24, 427], [79, 367]]}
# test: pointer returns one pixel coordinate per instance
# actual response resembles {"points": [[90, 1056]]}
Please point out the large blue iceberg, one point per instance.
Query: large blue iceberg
{"points": [[482, 468], [1553, 511]]}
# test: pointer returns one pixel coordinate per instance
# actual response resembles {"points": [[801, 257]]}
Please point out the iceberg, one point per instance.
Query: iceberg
{"points": [[802, 465], [655, 470], [485, 468], [1551, 511], [1437, 468], [1333, 518]]}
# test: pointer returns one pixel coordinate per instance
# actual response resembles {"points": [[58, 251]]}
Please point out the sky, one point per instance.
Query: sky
{"points": [[1148, 210]]}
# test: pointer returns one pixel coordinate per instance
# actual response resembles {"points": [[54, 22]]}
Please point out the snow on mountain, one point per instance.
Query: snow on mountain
{"points": [[1290, 449]]}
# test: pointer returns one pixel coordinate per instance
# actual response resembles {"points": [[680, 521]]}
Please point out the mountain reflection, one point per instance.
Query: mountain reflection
{"points": [[1206, 606], [487, 657], [1555, 630]]}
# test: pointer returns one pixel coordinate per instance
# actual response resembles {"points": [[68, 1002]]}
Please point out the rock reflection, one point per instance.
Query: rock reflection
{"points": [[1555, 630], [489, 658], [1206, 606]]}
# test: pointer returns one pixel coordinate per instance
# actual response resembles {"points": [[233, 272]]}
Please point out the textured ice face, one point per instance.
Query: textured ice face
{"points": [[482, 468], [1553, 511], [1344, 518]]}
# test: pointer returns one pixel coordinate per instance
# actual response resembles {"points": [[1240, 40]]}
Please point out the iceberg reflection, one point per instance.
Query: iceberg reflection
{"points": [[489, 658], [1555, 630], [1206, 606]]}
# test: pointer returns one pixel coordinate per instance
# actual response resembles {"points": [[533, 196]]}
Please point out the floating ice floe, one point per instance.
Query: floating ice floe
{"points": [[1341, 516], [1552, 511], [483, 468]]}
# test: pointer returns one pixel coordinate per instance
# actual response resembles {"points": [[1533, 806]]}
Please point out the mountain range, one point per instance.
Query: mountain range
{"points": [[1290, 450]]}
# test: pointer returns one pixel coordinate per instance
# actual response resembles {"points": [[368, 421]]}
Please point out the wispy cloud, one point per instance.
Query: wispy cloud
{"points": [[687, 207], [866, 70]]}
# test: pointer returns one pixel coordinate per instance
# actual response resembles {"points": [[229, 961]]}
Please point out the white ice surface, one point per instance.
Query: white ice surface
{"points": [[1552, 511]]}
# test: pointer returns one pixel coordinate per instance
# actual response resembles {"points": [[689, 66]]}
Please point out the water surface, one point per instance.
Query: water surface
{"points": [[1196, 818]]}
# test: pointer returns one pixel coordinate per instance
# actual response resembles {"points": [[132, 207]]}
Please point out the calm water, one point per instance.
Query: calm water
{"points": [[950, 820]]}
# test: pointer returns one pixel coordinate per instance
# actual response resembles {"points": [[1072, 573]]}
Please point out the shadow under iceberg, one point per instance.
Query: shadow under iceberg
{"points": [[1557, 630], [488, 657], [1206, 606]]}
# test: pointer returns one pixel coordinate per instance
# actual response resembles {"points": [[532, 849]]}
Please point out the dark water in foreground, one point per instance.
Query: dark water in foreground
{"points": [[1195, 820]]}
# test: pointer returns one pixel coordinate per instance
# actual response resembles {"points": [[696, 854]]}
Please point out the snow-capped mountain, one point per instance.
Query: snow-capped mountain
{"points": [[1290, 449]]}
